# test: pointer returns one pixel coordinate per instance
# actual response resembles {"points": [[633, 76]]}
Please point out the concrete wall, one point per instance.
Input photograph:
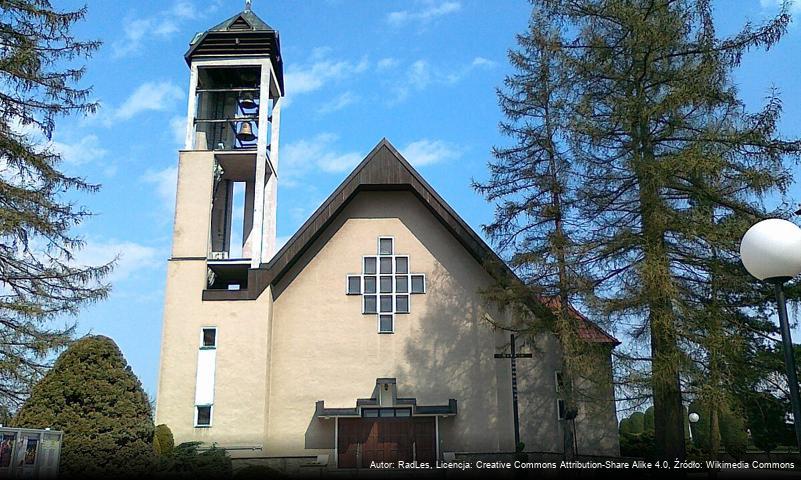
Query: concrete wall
{"points": [[306, 340], [324, 348], [242, 330]]}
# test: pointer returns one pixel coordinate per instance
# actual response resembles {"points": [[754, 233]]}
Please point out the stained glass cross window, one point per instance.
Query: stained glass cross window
{"points": [[386, 285]]}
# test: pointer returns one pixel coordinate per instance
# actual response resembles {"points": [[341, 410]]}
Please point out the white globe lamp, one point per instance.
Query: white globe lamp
{"points": [[694, 417], [771, 251]]}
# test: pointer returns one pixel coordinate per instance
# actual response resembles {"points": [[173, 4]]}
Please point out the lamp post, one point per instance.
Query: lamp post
{"points": [[694, 417], [771, 251]]}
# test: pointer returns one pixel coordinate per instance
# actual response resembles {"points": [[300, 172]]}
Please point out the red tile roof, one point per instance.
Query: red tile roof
{"points": [[588, 330]]}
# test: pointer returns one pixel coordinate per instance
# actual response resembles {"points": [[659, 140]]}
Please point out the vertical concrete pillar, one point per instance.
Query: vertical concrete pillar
{"points": [[191, 109]]}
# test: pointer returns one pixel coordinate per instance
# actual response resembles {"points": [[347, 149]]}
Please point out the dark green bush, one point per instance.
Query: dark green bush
{"points": [[94, 397]]}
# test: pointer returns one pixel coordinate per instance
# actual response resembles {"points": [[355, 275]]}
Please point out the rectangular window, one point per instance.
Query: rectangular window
{"points": [[370, 412], [385, 324], [403, 412], [401, 264], [386, 265], [386, 303], [418, 284], [386, 284], [560, 409], [369, 266], [385, 246], [209, 338], [369, 285], [558, 381], [203, 416], [370, 304], [354, 285], [402, 304], [386, 412], [401, 284]]}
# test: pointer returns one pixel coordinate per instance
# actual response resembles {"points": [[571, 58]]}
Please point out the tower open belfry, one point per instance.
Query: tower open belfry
{"points": [[234, 113]]}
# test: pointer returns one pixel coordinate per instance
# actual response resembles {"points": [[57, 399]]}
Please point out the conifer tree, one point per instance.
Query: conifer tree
{"points": [[93, 396], [670, 169], [39, 280], [533, 184]]}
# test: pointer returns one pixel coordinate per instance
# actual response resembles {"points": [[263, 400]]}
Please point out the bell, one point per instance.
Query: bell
{"points": [[247, 102], [246, 133]]}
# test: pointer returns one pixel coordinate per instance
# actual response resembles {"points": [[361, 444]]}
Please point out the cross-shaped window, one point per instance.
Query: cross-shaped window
{"points": [[386, 284]]}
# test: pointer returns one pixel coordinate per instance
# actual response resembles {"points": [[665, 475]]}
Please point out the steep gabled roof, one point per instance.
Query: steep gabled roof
{"points": [[246, 20], [242, 35], [384, 168]]}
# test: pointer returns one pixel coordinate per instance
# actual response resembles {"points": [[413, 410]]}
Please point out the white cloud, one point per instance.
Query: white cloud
{"points": [[321, 70], [318, 152], [421, 75], [428, 152], [131, 257], [178, 129], [338, 103], [137, 30], [424, 16], [85, 150], [482, 62], [387, 63], [150, 96], [165, 182]]}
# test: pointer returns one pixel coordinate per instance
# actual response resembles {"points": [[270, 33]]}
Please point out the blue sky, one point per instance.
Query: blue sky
{"points": [[422, 73]]}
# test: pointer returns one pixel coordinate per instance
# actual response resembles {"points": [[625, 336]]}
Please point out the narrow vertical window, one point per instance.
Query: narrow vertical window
{"points": [[204, 381], [209, 338], [560, 409], [558, 381], [203, 416]]}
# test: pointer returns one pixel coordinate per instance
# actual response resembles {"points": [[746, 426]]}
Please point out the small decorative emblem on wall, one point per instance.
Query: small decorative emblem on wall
{"points": [[386, 284]]}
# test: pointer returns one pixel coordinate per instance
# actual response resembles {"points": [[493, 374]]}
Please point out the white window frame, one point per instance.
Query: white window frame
{"points": [[393, 277], [558, 416], [378, 322], [378, 247], [361, 283], [211, 416], [425, 283], [216, 337]]}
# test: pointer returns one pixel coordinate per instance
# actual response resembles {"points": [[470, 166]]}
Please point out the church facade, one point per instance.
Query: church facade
{"points": [[365, 337]]}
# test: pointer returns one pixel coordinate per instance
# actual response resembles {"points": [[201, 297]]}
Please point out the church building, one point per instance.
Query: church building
{"points": [[365, 338]]}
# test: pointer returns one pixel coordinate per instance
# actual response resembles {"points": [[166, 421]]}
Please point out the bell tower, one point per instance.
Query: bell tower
{"points": [[235, 91], [215, 327]]}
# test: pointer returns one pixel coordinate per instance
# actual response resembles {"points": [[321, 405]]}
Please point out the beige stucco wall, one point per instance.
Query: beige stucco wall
{"points": [[308, 341], [323, 348], [242, 330]]}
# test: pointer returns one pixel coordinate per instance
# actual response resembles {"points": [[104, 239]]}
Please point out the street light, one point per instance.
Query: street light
{"points": [[694, 417], [771, 251]]}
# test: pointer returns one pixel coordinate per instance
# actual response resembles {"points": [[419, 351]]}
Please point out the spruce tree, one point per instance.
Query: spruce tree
{"points": [[93, 396], [38, 279]]}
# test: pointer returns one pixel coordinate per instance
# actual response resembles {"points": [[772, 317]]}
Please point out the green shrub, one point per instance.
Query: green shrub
{"points": [[163, 441], [637, 420], [648, 420], [189, 461], [94, 397]]}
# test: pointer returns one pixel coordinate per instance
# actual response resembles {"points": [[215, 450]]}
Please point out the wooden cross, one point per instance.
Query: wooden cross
{"points": [[513, 356]]}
